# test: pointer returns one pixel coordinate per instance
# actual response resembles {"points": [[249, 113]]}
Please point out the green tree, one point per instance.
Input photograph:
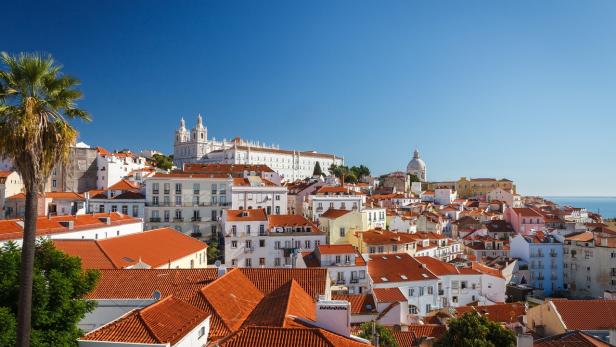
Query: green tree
{"points": [[317, 170], [162, 161], [59, 287], [360, 171], [36, 101], [473, 330], [413, 178], [343, 173], [212, 252], [386, 338]]}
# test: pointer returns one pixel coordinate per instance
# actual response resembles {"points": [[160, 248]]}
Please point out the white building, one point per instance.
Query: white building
{"points": [[88, 226], [506, 196], [444, 196], [346, 267], [112, 167], [417, 167], [49, 204], [429, 283], [195, 147], [10, 184], [254, 192], [124, 197], [339, 198], [188, 202], [254, 239]]}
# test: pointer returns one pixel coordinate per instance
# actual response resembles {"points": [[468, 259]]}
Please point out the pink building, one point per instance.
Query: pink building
{"points": [[524, 219]]}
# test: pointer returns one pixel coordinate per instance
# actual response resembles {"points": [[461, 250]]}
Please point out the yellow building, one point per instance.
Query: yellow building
{"points": [[337, 224], [480, 187]]}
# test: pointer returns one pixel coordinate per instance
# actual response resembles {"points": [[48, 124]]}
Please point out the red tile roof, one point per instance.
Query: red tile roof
{"points": [[571, 339], [53, 225], [527, 212], [587, 314], [336, 190], [399, 267], [156, 248], [336, 249], [360, 303], [388, 295], [333, 213], [501, 313], [385, 237], [290, 220], [245, 182], [284, 337], [124, 184], [251, 215], [166, 321], [51, 195], [313, 280]]}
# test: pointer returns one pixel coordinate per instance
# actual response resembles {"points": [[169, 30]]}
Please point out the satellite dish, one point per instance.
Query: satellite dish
{"points": [[217, 263], [156, 295]]}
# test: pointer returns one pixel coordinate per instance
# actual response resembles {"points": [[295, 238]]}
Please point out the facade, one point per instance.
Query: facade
{"points": [[417, 167], [346, 267], [254, 239], [189, 202], [49, 204], [78, 175], [444, 196], [395, 182], [337, 197], [589, 264], [506, 196], [299, 191], [255, 192], [481, 187], [525, 220], [113, 167], [88, 226], [544, 256], [195, 147], [124, 197], [337, 224], [10, 185]]}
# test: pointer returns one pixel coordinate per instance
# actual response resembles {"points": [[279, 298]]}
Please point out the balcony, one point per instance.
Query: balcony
{"points": [[354, 280], [248, 249], [154, 191], [340, 281], [178, 219], [166, 192], [155, 219], [553, 254], [195, 219], [195, 192]]}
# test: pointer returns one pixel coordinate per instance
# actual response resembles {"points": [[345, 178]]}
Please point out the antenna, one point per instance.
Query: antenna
{"points": [[156, 295]]}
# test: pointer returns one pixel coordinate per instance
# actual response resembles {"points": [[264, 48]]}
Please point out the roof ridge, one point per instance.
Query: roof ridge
{"points": [[100, 246]]}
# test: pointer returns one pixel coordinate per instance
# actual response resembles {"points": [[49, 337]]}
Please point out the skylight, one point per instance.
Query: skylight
{"points": [[404, 277], [384, 279]]}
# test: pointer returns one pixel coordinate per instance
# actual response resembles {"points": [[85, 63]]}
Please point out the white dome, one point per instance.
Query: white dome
{"points": [[417, 166]]}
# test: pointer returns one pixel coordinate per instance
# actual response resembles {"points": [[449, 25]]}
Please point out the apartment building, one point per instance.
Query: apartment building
{"points": [[544, 256], [336, 197], [10, 184]]}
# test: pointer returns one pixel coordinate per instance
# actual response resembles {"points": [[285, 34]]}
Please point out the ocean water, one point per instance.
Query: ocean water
{"points": [[606, 206]]}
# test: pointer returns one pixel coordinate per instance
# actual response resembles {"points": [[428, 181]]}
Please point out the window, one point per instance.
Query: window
{"points": [[411, 291], [463, 284], [248, 229], [261, 243], [362, 274], [428, 308], [201, 332], [135, 211], [54, 183], [277, 260], [381, 249], [154, 188], [178, 188], [261, 261], [454, 299], [124, 209], [234, 244], [342, 232], [455, 285], [248, 262], [307, 244], [277, 209], [196, 188], [277, 244], [178, 200], [337, 259], [413, 309], [233, 262], [101, 208], [261, 229], [430, 290], [421, 291], [114, 208], [166, 188]]}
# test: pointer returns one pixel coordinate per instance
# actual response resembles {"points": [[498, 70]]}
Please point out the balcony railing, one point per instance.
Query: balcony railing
{"points": [[354, 280], [155, 219], [187, 204], [342, 281], [195, 219], [178, 219]]}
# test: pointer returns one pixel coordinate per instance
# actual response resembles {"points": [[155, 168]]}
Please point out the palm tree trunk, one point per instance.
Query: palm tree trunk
{"points": [[24, 308]]}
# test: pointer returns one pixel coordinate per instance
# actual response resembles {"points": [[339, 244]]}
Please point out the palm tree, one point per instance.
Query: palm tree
{"points": [[36, 101]]}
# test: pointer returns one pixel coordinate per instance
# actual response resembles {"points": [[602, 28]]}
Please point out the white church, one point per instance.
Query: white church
{"points": [[195, 147]]}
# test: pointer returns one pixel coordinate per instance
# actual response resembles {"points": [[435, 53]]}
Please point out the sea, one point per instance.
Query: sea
{"points": [[605, 206]]}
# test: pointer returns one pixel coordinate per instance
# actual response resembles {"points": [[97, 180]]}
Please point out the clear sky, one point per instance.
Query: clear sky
{"points": [[518, 89]]}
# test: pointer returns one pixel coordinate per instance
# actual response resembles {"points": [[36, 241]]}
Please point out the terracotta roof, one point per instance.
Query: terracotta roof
{"points": [[251, 215], [51, 195], [129, 196], [574, 338], [54, 225], [290, 220], [360, 303], [486, 269], [283, 337], [502, 313], [333, 213], [527, 212], [336, 249], [416, 331], [4, 174], [187, 175], [313, 281], [166, 321], [245, 182], [388, 295], [583, 236], [438, 267], [156, 248], [399, 267], [124, 184], [336, 190], [587, 314], [181, 283], [385, 237]]}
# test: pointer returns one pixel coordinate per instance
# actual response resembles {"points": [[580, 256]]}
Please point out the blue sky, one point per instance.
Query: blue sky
{"points": [[517, 89]]}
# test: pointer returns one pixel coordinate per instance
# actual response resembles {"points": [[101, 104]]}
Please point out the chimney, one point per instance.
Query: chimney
{"points": [[106, 220], [69, 224], [334, 315], [525, 340]]}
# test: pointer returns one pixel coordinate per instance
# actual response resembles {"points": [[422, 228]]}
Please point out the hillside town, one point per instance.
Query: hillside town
{"points": [[234, 242]]}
